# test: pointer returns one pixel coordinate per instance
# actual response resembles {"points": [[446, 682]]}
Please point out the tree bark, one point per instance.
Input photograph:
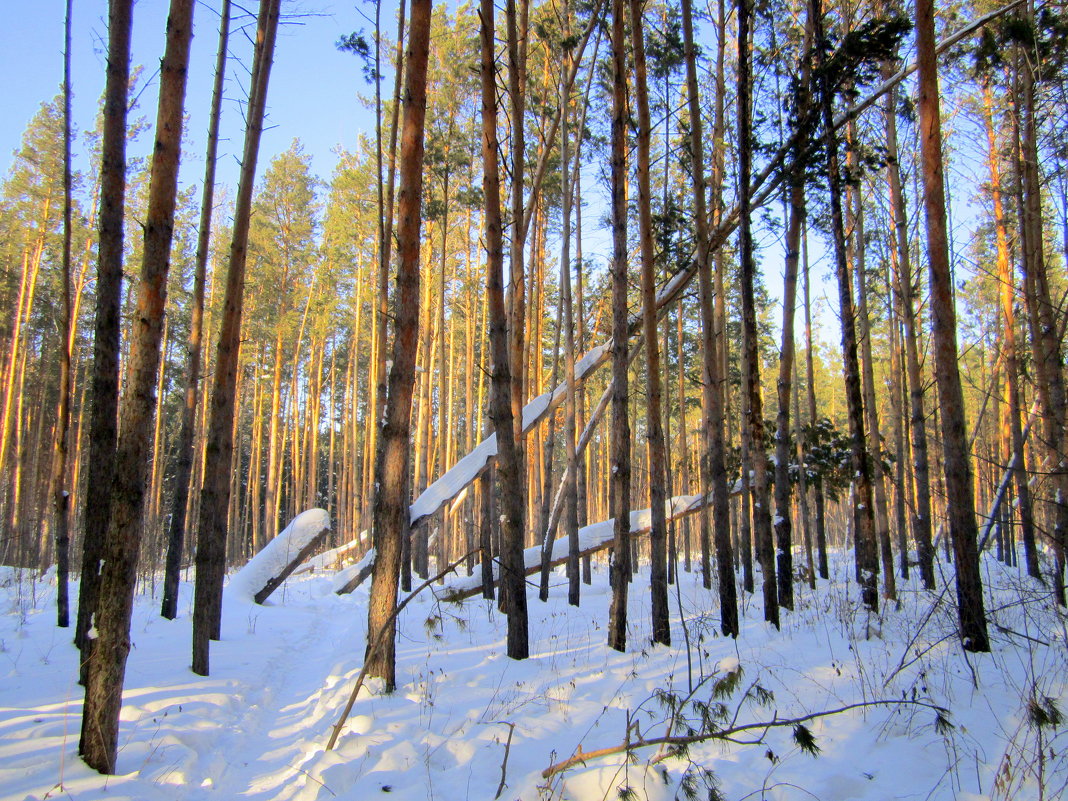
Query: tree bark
{"points": [[906, 291], [654, 403], [752, 401], [215, 488], [107, 662], [571, 521], [714, 472], [391, 491], [882, 518], [957, 465], [1045, 341], [1007, 297], [864, 524], [103, 427], [56, 483], [619, 481], [817, 489], [183, 460]]}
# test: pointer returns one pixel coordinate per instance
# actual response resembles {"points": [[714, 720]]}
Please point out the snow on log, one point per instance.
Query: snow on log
{"points": [[465, 471], [266, 571], [351, 577], [592, 538], [335, 556]]}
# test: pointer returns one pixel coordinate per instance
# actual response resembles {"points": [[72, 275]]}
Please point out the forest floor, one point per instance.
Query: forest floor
{"points": [[465, 715]]}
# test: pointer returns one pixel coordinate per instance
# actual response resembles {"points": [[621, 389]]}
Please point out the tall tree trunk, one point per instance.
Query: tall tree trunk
{"points": [[782, 525], [391, 490], [215, 489], [571, 479], [796, 221], [183, 464], [957, 465], [1007, 295], [57, 479], [810, 387], [275, 443], [105, 385], [906, 291], [513, 587], [752, 402], [860, 466], [516, 26], [654, 404], [882, 518], [1045, 340], [899, 401], [619, 486], [107, 662], [385, 246], [714, 472]]}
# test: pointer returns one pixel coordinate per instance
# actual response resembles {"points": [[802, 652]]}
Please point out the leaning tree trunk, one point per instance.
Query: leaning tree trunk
{"points": [[103, 430], [183, 459], [219, 446], [653, 407], [713, 467], [391, 516], [956, 464], [619, 487], [107, 663]]}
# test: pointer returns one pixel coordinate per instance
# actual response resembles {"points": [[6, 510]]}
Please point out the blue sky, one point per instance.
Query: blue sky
{"points": [[313, 93]]}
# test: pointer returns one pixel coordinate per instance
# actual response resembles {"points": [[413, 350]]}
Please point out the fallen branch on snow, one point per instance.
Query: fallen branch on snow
{"points": [[678, 743]]}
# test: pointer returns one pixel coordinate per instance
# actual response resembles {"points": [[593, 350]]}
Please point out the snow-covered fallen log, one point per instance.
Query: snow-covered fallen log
{"points": [[335, 556], [351, 577], [464, 472], [592, 538], [266, 571]]}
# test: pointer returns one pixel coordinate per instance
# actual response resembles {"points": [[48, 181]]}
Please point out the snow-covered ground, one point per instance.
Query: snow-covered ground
{"points": [[464, 715]]}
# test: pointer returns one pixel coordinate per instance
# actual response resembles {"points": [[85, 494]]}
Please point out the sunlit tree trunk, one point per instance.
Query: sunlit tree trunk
{"points": [[654, 413], [184, 450], [1007, 296], [714, 473], [752, 402], [906, 291], [957, 465], [105, 382], [860, 465], [391, 516], [619, 481], [57, 479], [215, 489], [107, 662]]}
